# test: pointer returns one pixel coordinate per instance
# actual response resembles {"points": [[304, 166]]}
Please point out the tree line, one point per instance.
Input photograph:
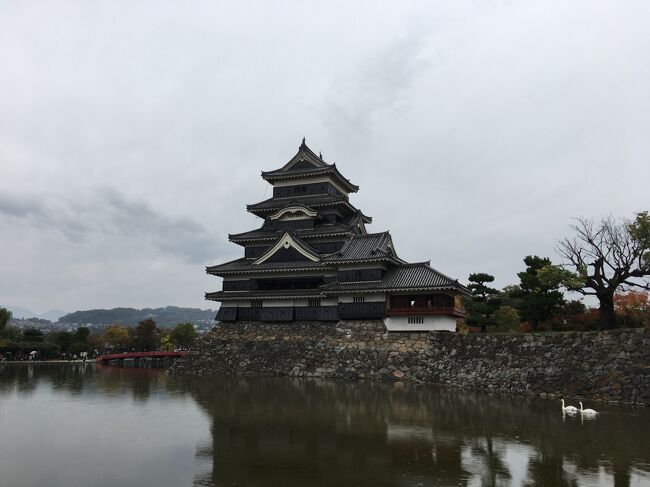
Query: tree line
{"points": [[146, 336], [609, 260], [164, 317]]}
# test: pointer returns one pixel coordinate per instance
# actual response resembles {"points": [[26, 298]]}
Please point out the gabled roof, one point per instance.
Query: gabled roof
{"points": [[304, 158], [297, 207], [307, 163], [289, 240], [405, 277], [365, 247]]}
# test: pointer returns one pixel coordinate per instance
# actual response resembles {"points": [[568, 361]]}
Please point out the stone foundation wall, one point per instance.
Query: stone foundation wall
{"points": [[610, 366]]}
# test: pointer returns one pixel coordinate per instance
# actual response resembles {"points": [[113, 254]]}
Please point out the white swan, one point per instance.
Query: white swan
{"points": [[587, 412], [569, 409]]}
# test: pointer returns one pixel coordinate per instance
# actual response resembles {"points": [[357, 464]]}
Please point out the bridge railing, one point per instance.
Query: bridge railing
{"points": [[126, 355]]}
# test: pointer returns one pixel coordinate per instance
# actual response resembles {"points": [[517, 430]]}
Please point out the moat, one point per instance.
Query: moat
{"points": [[79, 424]]}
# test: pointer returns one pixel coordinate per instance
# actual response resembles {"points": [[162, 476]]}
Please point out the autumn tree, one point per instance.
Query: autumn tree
{"points": [[506, 318], [166, 343], [603, 258], [116, 337], [633, 308], [146, 336], [183, 335]]}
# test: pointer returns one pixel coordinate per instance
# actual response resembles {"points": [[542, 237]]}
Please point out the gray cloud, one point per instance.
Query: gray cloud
{"points": [[378, 88], [109, 214], [476, 131]]}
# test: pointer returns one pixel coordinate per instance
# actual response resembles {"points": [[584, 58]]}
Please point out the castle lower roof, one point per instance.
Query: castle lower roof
{"points": [[243, 265], [406, 277], [244, 295], [312, 201], [273, 234]]}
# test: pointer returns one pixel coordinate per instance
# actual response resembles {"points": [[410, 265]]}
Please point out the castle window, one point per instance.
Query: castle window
{"points": [[256, 303], [313, 302], [359, 299], [416, 320]]}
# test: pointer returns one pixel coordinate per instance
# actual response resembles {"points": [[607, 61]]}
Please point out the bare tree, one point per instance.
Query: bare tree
{"points": [[605, 257]]}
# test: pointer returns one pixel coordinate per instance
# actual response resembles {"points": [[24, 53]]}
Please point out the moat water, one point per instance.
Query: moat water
{"points": [[68, 425]]}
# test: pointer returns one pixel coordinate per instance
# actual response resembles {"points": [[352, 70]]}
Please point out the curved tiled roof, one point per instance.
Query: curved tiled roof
{"points": [[313, 200], [306, 172], [244, 265], [370, 246], [405, 277], [234, 295], [271, 234], [315, 166]]}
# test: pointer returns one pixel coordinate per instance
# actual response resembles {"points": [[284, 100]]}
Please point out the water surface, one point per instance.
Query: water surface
{"points": [[66, 425]]}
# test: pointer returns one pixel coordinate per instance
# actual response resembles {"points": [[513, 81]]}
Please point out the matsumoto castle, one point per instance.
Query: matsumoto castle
{"points": [[314, 260]]}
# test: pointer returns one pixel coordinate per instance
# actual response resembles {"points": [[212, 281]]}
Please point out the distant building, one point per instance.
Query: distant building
{"points": [[314, 260]]}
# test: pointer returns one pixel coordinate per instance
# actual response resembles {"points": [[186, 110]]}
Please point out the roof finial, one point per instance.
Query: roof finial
{"points": [[303, 142], [320, 155]]}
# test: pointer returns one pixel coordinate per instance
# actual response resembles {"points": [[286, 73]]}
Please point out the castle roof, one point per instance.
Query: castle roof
{"points": [[263, 233], [288, 294], [310, 200], [370, 246], [405, 277], [244, 265], [306, 163]]}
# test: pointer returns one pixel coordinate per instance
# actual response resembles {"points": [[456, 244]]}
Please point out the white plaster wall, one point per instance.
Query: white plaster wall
{"points": [[370, 298], [431, 323]]}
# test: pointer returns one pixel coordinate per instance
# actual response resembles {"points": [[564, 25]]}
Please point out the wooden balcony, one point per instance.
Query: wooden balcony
{"points": [[427, 311]]}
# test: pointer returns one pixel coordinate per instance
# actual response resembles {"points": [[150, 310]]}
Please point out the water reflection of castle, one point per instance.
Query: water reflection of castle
{"points": [[290, 433], [306, 432], [319, 434]]}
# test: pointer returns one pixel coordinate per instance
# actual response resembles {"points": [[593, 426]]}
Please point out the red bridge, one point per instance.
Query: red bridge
{"points": [[140, 359]]}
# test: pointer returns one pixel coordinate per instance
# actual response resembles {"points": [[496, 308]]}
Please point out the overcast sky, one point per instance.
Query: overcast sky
{"points": [[133, 133]]}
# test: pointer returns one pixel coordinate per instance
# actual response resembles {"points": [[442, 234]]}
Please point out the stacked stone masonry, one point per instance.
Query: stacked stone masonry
{"points": [[610, 366]]}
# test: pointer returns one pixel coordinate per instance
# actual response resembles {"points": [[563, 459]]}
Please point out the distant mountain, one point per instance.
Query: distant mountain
{"points": [[52, 315], [20, 313], [164, 317]]}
